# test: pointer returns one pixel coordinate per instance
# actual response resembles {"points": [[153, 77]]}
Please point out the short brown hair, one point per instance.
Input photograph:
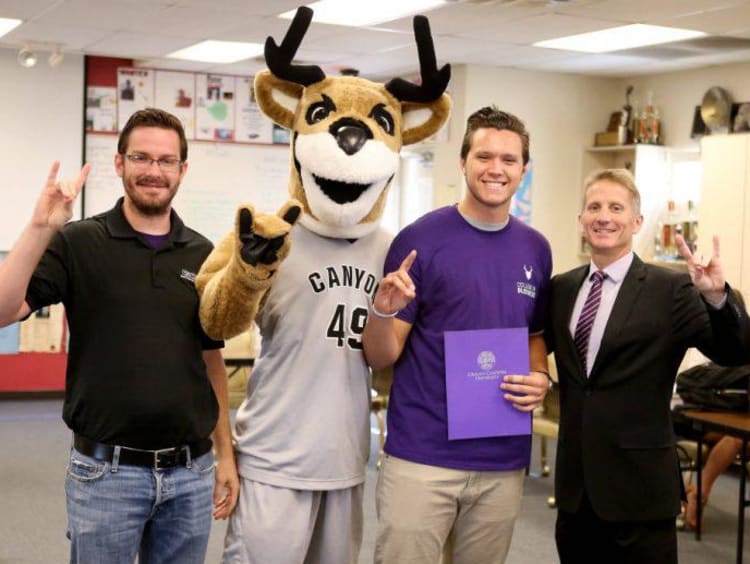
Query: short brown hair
{"points": [[491, 116], [153, 117], [621, 176]]}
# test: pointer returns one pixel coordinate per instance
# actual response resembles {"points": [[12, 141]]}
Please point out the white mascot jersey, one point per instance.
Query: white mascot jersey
{"points": [[305, 421]]}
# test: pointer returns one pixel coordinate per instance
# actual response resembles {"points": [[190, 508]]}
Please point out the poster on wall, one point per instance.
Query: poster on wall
{"points": [[135, 91], [520, 204], [214, 115], [101, 108], [175, 92], [252, 125]]}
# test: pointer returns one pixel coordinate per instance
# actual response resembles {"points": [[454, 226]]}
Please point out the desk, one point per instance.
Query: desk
{"points": [[728, 423]]}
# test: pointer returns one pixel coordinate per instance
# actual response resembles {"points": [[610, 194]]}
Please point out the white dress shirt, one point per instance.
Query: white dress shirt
{"points": [[610, 287]]}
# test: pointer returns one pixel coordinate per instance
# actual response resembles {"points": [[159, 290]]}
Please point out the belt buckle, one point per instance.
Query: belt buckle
{"points": [[166, 458]]}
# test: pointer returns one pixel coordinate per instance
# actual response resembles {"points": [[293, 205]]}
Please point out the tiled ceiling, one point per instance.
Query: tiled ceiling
{"points": [[487, 32]]}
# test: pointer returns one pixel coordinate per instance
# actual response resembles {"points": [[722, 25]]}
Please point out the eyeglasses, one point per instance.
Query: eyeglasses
{"points": [[167, 164]]}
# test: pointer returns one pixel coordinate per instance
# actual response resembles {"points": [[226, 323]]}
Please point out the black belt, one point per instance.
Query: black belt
{"points": [[160, 459]]}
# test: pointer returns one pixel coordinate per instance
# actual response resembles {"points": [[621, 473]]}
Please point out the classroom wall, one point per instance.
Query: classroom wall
{"points": [[41, 120], [562, 112]]}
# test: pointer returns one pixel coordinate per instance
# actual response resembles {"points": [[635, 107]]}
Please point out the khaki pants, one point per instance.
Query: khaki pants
{"points": [[424, 511]]}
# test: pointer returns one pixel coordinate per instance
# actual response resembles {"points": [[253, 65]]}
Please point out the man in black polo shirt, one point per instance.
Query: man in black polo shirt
{"points": [[145, 387]]}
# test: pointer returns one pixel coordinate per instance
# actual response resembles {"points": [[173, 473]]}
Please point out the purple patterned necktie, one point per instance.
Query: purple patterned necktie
{"points": [[588, 314]]}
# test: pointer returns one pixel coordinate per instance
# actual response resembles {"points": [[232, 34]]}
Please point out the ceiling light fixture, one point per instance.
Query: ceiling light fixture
{"points": [[27, 57], [357, 14], [55, 58], [218, 52], [620, 38]]}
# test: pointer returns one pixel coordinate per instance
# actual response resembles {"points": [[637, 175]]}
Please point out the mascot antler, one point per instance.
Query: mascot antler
{"points": [[433, 84], [434, 81], [279, 58]]}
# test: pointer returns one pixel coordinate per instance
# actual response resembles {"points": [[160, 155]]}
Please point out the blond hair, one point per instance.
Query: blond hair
{"points": [[621, 176]]}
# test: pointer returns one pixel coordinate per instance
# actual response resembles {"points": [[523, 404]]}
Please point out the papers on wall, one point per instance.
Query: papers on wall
{"points": [[252, 125], [101, 108], [214, 112], [135, 91], [175, 93], [211, 107]]}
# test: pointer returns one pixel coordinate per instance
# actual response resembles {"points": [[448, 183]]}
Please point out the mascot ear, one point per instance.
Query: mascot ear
{"points": [[422, 120], [277, 98]]}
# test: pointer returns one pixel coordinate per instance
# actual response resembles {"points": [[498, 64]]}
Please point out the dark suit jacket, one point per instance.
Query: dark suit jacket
{"points": [[616, 439]]}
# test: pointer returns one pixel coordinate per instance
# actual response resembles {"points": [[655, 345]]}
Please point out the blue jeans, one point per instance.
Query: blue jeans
{"points": [[163, 516]]}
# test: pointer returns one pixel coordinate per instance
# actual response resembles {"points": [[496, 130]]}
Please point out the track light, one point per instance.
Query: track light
{"points": [[27, 57], [55, 58]]}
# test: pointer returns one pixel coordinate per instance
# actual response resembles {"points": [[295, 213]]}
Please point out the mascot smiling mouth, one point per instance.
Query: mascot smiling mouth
{"points": [[338, 191]]}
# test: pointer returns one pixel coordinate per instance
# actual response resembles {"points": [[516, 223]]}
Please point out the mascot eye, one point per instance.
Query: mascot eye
{"points": [[319, 110], [383, 117]]}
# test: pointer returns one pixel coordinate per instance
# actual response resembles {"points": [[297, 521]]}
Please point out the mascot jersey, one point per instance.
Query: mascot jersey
{"points": [[466, 279], [305, 422]]}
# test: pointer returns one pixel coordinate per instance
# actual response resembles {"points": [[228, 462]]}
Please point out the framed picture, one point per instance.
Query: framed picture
{"points": [[699, 127], [740, 117]]}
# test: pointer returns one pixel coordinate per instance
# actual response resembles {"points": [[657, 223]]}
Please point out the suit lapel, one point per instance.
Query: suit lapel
{"points": [[624, 304]]}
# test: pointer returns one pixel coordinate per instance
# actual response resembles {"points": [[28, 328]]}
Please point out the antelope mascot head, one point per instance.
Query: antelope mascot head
{"points": [[346, 134]]}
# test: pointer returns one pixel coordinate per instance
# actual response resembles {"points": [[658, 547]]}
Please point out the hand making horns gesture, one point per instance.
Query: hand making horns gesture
{"points": [[55, 204], [708, 278]]}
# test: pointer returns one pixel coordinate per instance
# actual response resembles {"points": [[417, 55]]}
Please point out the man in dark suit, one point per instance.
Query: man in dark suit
{"points": [[618, 338]]}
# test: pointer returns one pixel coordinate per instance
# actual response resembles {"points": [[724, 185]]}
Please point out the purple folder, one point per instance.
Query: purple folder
{"points": [[475, 363]]}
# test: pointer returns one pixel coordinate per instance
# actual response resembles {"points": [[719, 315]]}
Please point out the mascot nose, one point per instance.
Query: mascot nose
{"points": [[350, 134]]}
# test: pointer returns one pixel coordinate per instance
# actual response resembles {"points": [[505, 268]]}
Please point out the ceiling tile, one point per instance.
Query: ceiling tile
{"points": [[727, 21], [645, 11], [537, 28], [486, 33]]}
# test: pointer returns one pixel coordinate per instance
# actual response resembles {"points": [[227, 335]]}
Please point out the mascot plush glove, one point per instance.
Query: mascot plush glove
{"points": [[241, 268]]}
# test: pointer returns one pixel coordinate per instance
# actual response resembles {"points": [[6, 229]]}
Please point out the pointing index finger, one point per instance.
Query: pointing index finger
{"points": [[408, 261]]}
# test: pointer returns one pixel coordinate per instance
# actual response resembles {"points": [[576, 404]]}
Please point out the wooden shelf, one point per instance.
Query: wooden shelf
{"points": [[616, 148], [611, 148]]}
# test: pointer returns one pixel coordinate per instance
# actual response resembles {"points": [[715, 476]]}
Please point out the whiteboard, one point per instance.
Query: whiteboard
{"points": [[220, 176], [41, 112]]}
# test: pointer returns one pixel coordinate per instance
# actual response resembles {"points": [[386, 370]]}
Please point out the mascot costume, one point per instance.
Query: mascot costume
{"points": [[307, 276]]}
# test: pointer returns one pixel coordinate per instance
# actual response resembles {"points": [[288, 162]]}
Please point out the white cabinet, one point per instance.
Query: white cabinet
{"points": [[725, 205], [649, 164]]}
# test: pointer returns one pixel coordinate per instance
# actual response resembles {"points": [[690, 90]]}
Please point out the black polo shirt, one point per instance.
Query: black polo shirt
{"points": [[135, 374]]}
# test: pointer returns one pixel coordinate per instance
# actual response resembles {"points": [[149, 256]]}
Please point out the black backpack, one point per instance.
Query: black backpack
{"points": [[714, 388]]}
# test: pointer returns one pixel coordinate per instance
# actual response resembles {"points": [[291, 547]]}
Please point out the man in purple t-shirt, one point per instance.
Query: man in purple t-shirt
{"points": [[466, 267]]}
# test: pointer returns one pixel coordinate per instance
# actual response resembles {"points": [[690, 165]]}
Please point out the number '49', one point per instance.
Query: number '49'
{"points": [[347, 330]]}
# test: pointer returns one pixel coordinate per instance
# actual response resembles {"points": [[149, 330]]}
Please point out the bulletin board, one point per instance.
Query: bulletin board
{"points": [[220, 176]]}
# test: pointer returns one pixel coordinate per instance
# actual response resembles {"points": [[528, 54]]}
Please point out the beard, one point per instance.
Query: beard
{"points": [[150, 205]]}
